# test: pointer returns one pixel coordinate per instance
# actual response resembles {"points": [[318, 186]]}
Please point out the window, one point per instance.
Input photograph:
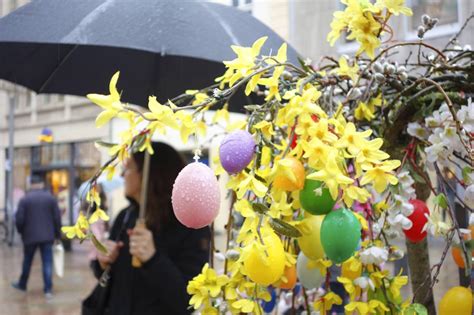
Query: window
{"points": [[447, 11]]}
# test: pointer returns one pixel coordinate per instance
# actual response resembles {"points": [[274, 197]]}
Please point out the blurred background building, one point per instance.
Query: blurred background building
{"points": [[71, 158]]}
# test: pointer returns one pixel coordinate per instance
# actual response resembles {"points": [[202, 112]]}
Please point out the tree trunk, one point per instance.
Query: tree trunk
{"points": [[419, 262], [419, 267], [417, 253]]}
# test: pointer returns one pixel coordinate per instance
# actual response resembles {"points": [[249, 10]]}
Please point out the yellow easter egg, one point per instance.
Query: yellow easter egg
{"points": [[457, 300], [265, 264], [310, 242]]}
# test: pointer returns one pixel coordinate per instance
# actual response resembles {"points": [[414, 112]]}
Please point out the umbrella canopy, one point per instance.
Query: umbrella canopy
{"points": [[160, 47]]}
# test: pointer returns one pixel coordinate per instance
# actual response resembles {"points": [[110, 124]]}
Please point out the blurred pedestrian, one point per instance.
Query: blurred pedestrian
{"points": [[38, 221], [171, 254]]}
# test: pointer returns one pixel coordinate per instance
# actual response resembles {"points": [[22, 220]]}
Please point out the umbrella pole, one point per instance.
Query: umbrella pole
{"points": [[143, 201]]}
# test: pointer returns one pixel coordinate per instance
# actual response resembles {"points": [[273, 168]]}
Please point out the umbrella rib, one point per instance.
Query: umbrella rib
{"points": [[226, 27], [58, 66]]}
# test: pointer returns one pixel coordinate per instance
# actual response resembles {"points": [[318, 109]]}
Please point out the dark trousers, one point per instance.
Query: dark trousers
{"points": [[46, 250]]}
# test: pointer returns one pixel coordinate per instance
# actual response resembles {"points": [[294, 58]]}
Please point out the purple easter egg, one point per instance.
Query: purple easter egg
{"points": [[236, 151], [196, 196]]}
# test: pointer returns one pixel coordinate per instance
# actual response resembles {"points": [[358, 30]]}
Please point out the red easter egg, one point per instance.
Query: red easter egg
{"points": [[419, 220]]}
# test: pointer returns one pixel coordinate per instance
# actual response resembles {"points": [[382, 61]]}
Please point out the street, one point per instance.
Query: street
{"points": [[68, 291], [78, 281]]}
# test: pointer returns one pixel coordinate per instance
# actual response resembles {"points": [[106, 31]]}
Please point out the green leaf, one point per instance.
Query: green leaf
{"points": [[100, 247], [466, 172], [139, 142], [441, 201], [105, 144], [416, 309], [468, 263], [260, 208], [283, 228]]}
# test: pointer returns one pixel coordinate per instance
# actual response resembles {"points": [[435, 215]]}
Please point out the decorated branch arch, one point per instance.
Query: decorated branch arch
{"points": [[326, 172]]}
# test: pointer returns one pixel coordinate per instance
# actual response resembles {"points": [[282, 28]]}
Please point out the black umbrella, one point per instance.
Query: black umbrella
{"points": [[160, 47]]}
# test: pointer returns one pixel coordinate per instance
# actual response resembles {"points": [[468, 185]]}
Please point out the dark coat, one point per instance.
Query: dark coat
{"points": [[38, 219], [159, 286]]}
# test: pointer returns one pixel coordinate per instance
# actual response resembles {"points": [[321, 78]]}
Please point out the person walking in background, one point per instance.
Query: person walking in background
{"points": [[38, 221]]}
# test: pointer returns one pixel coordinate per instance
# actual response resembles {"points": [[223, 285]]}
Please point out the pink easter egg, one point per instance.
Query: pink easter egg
{"points": [[236, 151], [196, 196]]}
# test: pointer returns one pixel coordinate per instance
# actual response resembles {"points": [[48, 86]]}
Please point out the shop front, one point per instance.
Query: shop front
{"points": [[64, 166]]}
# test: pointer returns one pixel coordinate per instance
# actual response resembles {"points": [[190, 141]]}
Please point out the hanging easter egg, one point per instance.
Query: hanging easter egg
{"points": [[310, 243], [296, 168], [310, 278], [290, 275], [457, 300], [457, 252], [270, 305], [265, 264], [316, 203], [236, 151], [196, 196], [340, 235], [418, 220]]}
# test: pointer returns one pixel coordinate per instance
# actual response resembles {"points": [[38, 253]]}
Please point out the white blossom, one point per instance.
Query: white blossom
{"points": [[466, 116], [364, 283], [376, 228], [451, 139], [399, 222], [437, 152], [405, 186], [416, 130], [373, 255], [439, 117], [436, 225], [401, 205], [469, 196], [308, 62], [404, 178]]}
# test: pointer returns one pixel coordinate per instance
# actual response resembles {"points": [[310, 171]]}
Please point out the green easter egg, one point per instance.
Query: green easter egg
{"points": [[340, 235], [313, 203]]}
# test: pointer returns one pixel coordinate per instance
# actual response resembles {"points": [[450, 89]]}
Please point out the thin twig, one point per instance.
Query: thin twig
{"points": [[455, 37]]}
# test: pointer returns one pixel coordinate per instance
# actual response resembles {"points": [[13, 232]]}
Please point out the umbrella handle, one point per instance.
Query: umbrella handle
{"points": [[136, 263], [143, 200]]}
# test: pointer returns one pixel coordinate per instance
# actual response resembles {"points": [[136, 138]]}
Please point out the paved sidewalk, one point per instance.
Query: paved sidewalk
{"points": [[78, 280], [68, 291]]}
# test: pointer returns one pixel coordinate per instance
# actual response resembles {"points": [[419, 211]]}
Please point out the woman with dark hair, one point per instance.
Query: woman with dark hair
{"points": [[171, 254]]}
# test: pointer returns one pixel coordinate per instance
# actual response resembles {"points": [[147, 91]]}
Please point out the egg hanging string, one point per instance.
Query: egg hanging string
{"points": [[143, 201]]}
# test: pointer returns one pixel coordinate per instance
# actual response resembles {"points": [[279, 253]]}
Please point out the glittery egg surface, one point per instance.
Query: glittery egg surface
{"points": [[236, 151], [196, 196]]}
